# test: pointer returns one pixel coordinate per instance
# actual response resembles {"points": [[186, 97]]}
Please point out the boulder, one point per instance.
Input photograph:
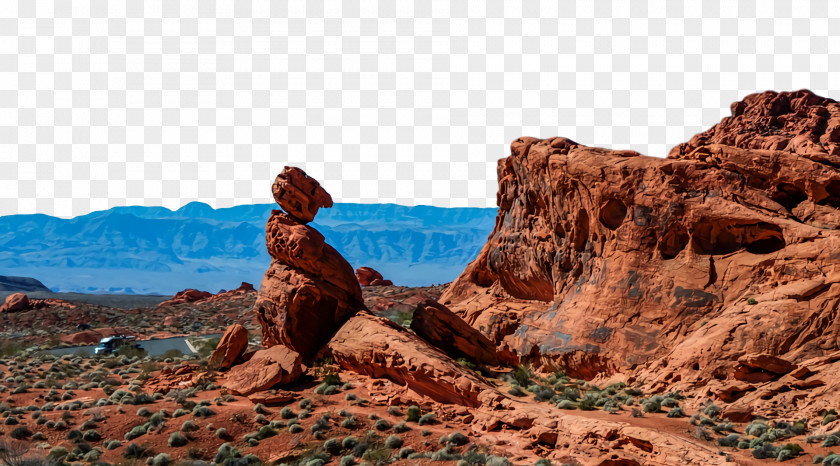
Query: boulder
{"points": [[231, 346], [377, 347], [367, 276], [15, 302], [441, 327], [299, 195], [277, 365], [171, 321]]}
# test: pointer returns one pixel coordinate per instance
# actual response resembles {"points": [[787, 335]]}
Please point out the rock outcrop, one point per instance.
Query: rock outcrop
{"points": [[368, 276], [668, 269], [377, 347], [441, 327], [15, 302], [309, 290], [277, 365], [186, 296], [231, 346]]}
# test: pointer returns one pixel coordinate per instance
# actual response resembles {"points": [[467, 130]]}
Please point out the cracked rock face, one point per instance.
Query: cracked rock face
{"points": [[309, 290], [604, 261]]}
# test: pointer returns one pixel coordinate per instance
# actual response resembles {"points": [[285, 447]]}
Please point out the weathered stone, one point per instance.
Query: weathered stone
{"points": [[436, 324], [277, 365]]}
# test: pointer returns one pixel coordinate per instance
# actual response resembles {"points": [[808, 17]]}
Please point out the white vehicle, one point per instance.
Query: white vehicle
{"points": [[109, 345]]}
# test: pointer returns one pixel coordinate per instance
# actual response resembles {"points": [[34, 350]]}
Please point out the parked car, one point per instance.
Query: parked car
{"points": [[109, 345]]}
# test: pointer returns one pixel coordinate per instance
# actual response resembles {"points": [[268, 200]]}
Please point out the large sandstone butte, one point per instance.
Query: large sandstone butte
{"points": [[673, 269]]}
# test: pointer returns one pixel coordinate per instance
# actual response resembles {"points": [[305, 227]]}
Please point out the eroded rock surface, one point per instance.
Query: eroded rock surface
{"points": [[15, 302], [368, 276], [670, 269], [299, 195], [441, 327]]}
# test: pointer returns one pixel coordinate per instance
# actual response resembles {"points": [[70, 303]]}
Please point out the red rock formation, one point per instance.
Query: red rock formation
{"points": [[187, 296], [231, 346], [673, 268], [380, 348], [277, 365], [436, 324], [367, 276], [299, 195], [309, 290], [15, 302]]}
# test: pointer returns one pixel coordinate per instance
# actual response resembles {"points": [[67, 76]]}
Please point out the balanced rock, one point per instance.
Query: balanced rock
{"points": [[309, 290], [231, 346], [604, 261], [15, 302], [299, 195], [441, 327], [277, 365]]}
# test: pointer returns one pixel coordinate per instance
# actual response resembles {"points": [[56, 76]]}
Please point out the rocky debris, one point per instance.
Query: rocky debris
{"points": [[667, 270], [187, 296], [367, 276], [377, 347], [277, 365], [309, 290], [273, 397], [231, 347], [299, 195], [180, 378], [15, 302], [244, 289], [761, 367], [439, 326]]}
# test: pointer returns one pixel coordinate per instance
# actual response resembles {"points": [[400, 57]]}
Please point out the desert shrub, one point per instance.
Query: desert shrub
{"points": [[412, 414], [287, 413], [522, 374], [730, 440], [260, 419], [295, 428], [651, 406], [112, 444], [516, 390], [162, 459], [458, 439], [189, 426], [92, 436], [831, 441], [382, 425], [587, 403], [497, 461], [566, 404], [428, 418], [394, 411], [401, 427], [177, 439], [724, 427], [766, 451], [752, 301], [393, 442], [136, 432], [203, 411], [349, 442], [756, 428], [829, 418], [571, 393], [347, 460], [676, 412], [144, 412], [305, 403], [712, 410], [20, 433], [446, 454], [134, 451], [349, 422], [702, 434]]}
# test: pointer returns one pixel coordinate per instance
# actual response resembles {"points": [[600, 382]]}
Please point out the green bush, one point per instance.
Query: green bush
{"points": [[428, 418], [177, 439], [413, 414], [393, 442]]}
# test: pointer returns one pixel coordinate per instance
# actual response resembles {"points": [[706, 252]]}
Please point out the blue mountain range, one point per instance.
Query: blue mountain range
{"points": [[154, 250]]}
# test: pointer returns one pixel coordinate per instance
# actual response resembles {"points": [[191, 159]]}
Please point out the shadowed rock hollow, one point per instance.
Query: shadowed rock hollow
{"points": [[607, 261]]}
